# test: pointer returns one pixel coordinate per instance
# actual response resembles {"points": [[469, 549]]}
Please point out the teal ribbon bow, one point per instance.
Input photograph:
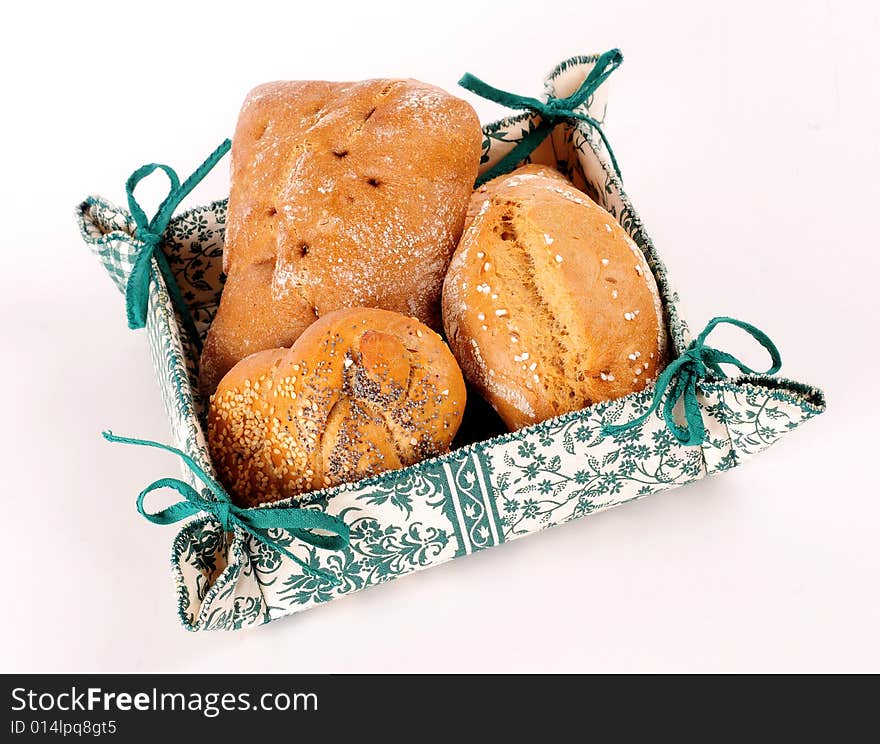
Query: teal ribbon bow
{"points": [[552, 112], [257, 521], [679, 381], [150, 232]]}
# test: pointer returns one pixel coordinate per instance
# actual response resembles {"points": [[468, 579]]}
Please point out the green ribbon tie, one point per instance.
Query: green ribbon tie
{"points": [[552, 112], [679, 381], [150, 232], [256, 521]]}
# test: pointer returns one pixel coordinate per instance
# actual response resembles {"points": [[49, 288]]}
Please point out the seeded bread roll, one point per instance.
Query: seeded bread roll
{"points": [[548, 305], [342, 195], [361, 391]]}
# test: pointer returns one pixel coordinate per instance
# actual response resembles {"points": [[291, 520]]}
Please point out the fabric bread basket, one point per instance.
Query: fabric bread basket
{"points": [[237, 568]]}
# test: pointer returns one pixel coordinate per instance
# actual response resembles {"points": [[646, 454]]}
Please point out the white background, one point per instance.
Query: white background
{"points": [[748, 139]]}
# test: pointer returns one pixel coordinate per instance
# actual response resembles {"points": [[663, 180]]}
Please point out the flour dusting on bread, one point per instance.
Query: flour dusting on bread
{"points": [[352, 194]]}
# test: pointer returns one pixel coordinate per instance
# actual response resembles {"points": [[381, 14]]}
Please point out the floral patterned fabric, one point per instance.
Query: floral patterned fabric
{"points": [[473, 498]]}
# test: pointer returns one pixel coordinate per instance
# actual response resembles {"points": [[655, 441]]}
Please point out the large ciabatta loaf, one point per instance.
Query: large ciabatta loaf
{"points": [[361, 391], [548, 305], [342, 195]]}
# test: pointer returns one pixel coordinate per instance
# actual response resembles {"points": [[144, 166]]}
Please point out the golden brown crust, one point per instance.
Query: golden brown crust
{"points": [[488, 189], [548, 305], [361, 391], [240, 328], [352, 194]]}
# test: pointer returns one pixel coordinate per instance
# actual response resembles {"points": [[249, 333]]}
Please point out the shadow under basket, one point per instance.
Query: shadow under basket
{"points": [[477, 496]]}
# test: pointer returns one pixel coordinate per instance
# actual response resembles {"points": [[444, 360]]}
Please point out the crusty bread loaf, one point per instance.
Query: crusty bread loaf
{"points": [[343, 195], [361, 391], [548, 305]]}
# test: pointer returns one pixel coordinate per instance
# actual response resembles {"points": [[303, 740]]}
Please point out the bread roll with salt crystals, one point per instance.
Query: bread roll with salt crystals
{"points": [[361, 391], [342, 195], [549, 306]]}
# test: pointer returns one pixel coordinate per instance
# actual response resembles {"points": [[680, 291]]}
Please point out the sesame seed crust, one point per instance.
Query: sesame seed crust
{"points": [[360, 392], [582, 308]]}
